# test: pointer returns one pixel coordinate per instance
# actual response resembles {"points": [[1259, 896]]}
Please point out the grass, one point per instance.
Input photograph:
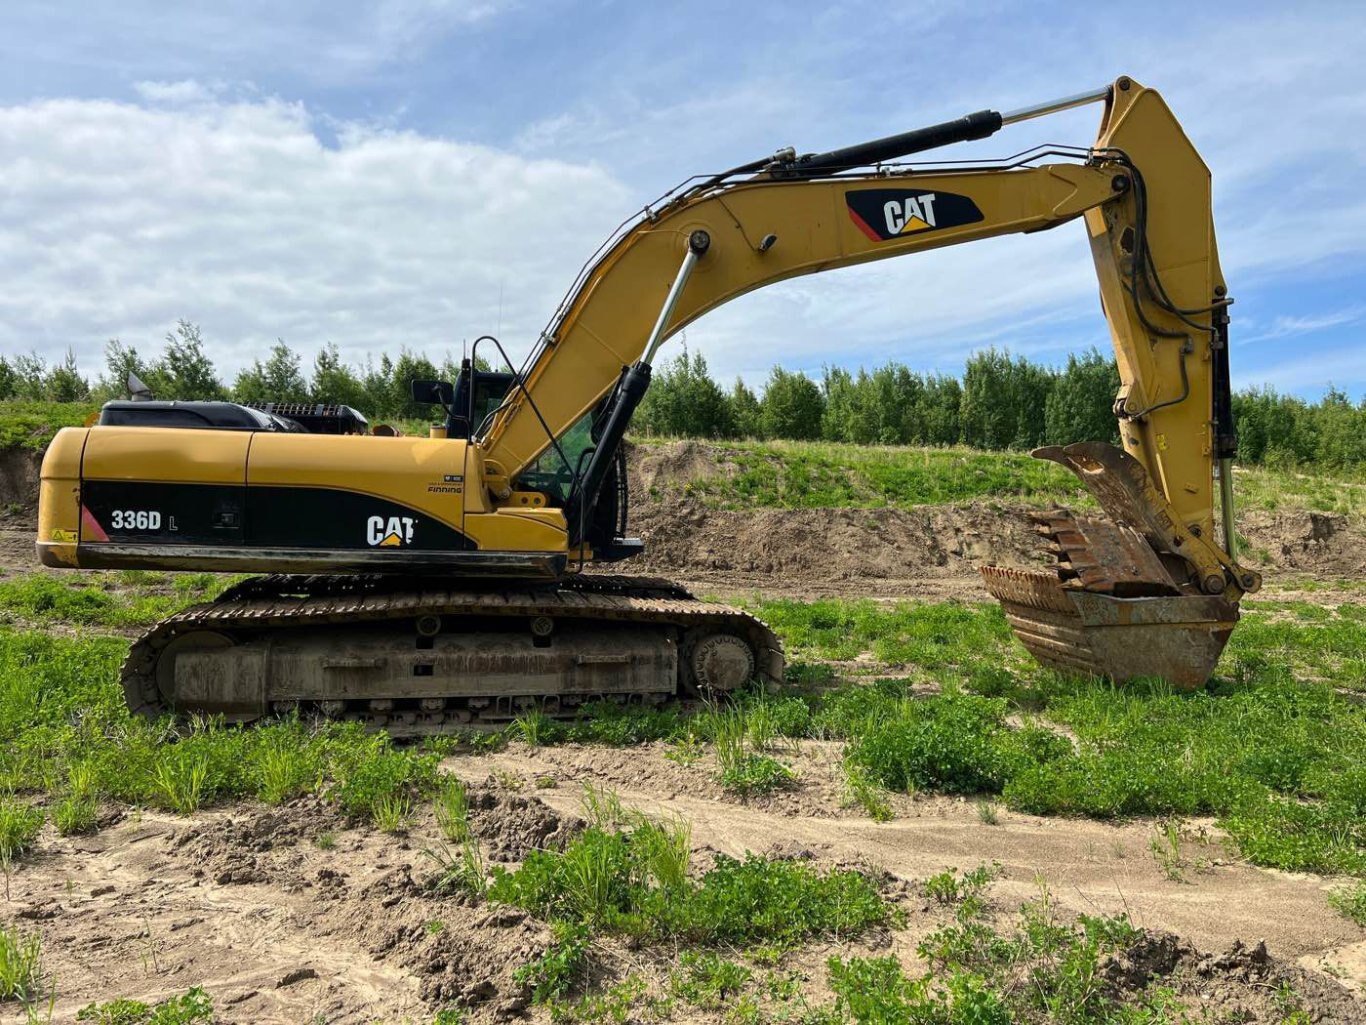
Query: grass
{"points": [[21, 966], [808, 475], [1350, 901], [193, 1007], [635, 882], [452, 809], [65, 733], [104, 599]]}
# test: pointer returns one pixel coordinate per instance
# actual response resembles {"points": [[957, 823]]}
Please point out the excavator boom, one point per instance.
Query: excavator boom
{"points": [[405, 540]]}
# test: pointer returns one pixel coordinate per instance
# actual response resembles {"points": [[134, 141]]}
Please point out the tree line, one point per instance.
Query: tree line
{"points": [[1000, 402]]}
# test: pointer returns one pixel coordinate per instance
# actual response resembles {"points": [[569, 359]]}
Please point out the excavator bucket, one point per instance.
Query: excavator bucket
{"points": [[1118, 603]]}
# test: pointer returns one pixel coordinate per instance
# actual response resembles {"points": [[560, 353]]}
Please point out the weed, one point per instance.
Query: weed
{"points": [[964, 891], [193, 1007], [72, 815], [686, 751], [666, 851], [618, 882], [452, 808], [988, 813], [756, 774], [289, 765], [325, 841], [459, 870], [1165, 845], [740, 767], [19, 826], [20, 966], [449, 1016], [390, 813], [434, 927], [179, 777], [556, 973], [380, 782], [1351, 901], [866, 794], [546, 783], [707, 980], [534, 727], [602, 807]]}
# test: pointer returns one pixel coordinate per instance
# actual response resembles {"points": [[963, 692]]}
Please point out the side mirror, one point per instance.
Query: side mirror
{"points": [[435, 392]]}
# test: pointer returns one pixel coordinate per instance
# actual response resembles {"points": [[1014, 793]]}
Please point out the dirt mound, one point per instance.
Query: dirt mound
{"points": [[1245, 984], [19, 475], [255, 847], [510, 826], [1324, 544], [686, 539], [463, 952]]}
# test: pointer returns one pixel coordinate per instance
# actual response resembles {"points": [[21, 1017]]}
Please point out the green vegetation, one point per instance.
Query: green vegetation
{"points": [[1269, 748], [105, 599], [630, 882], [1351, 901], [31, 424], [1039, 968], [21, 966], [65, 732], [193, 1007], [819, 475]]}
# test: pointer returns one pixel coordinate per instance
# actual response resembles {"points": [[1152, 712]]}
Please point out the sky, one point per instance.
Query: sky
{"points": [[416, 173]]}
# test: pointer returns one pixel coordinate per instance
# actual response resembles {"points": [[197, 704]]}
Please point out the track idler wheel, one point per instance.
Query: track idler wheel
{"points": [[716, 663]]}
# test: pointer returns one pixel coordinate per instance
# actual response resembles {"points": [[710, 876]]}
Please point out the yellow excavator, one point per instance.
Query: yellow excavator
{"points": [[423, 583]]}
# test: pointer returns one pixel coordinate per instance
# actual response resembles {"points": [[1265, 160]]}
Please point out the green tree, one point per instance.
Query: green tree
{"points": [[184, 371], [792, 406], [1004, 401], [335, 382], [1081, 400], [278, 379], [410, 367], [119, 361], [9, 379], [28, 373], [64, 383], [683, 401], [746, 411]]}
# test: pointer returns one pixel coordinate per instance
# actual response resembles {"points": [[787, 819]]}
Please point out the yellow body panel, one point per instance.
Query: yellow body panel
{"points": [[174, 457], [410, 471], [59, 498]]}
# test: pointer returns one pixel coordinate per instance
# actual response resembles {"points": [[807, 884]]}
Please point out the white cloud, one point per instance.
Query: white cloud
{"points": [[116, 219], [1289, 327]]}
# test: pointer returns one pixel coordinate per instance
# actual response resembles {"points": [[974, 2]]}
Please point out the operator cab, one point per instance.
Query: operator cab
{"points": [[468, 402]]}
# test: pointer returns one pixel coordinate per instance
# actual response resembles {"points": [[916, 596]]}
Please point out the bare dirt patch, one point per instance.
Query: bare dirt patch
{"points": [[352, 930]]}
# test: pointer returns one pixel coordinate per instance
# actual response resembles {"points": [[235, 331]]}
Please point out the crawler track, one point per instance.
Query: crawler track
{"points": [[275, 611]]}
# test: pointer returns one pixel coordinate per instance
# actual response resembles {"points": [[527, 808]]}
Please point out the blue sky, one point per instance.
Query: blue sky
{"points": [[418, 172]]}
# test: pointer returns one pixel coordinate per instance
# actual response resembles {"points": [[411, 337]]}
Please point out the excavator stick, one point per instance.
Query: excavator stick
{"points": [[1134, 594]]}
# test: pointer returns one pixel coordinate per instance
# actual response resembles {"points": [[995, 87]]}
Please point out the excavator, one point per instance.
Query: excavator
{"points": [[426, 583]]}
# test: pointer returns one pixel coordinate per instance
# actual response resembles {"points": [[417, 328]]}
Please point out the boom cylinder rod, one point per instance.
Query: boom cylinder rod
{"points": [[698, 242], [1053, 106]]}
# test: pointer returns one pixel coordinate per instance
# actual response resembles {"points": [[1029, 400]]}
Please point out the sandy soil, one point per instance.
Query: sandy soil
{"points": [[246, 903]]}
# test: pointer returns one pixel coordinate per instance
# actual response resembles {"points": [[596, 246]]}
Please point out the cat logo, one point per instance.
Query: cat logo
{"points": [[390, 532], [885, 214]]}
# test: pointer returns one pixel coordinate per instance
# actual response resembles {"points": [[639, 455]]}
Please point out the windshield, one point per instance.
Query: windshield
{"points": [[553, 475]]}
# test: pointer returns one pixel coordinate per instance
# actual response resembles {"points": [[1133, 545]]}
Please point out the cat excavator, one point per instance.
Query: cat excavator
{"points": [[423, 583]]}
